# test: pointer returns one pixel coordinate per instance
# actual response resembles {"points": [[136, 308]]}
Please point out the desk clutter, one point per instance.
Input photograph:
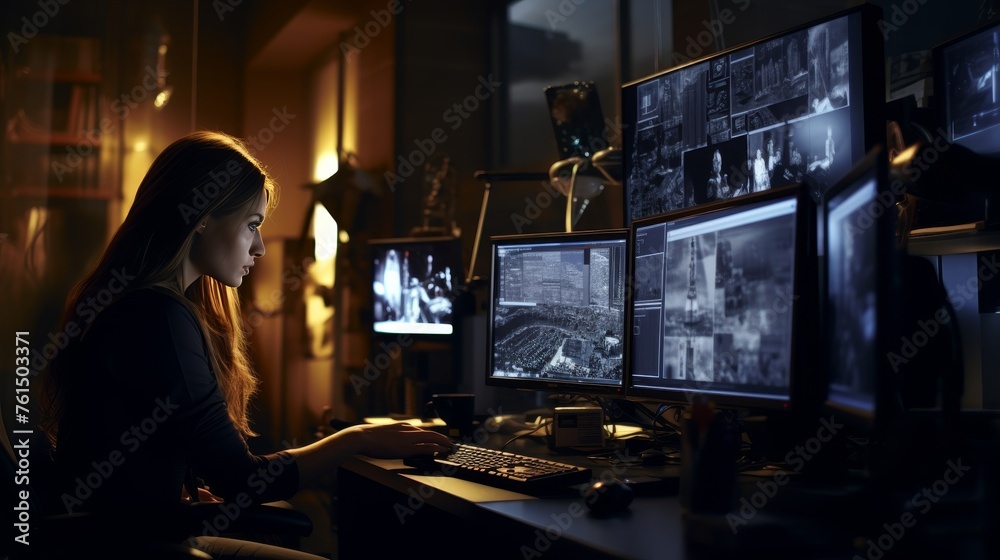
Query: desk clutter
{"points": [[769, 346], [715, 477]]}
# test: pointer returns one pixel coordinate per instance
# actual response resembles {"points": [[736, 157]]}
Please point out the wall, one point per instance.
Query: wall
{"points": [[442, 59], [296, 72]]}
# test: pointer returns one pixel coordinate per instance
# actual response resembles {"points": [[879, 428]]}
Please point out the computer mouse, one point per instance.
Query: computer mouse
{"points": [[605, 497]]}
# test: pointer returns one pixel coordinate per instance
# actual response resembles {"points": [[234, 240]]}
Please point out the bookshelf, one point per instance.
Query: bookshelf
{"points": [[60, 169], [54, 135]]}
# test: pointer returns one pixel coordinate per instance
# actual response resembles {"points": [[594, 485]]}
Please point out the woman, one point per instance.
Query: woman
{"points": [[153, 389], [761, 181]]}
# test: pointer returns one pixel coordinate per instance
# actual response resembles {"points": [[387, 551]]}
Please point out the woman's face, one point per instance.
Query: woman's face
{"points": [[228, 245]]}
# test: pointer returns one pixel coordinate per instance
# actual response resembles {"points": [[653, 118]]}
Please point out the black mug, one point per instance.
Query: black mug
{"points": [[457, 410]]}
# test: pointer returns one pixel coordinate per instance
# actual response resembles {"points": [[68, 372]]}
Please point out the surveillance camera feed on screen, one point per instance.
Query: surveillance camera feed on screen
{"points": [[712, 309], [558, 310], [413, 286], [971, 98], [851, 257], [756, 118]]}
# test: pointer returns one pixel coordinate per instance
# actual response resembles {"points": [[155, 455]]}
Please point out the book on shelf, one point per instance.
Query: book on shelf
{"points": [[954, 228], [54, 54]]}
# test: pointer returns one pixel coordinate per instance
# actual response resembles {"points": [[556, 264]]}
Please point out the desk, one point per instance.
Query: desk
{"points": [[387, 511]]}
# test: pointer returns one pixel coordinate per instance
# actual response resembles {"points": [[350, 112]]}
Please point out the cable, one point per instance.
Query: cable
{"points": [[519, 436]]}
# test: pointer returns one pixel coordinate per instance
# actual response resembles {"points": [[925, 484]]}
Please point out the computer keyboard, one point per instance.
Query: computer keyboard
{"points": [[510, 471]]}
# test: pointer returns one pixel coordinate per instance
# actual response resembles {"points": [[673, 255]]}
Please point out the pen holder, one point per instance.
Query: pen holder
{"points": [[710, 446]]}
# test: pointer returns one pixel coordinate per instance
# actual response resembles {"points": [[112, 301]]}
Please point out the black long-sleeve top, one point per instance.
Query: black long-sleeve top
{"points": [[145, 406]]}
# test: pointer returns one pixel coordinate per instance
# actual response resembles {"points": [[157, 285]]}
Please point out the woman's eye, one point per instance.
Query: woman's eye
{"points": [[254, 226]]}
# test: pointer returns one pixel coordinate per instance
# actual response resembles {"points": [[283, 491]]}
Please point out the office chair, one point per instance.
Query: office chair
{"points": [[142, 533]]}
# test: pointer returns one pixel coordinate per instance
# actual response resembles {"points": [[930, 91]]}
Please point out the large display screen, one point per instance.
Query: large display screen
{"points": [[795, 107]]}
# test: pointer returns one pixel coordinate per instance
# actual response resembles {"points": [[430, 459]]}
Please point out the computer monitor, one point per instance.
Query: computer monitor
{"points": [[856, 246], [800, 106], [968, 94], [722, 299], [414, 285], [557, 311], [860, 316], [577, 119]]}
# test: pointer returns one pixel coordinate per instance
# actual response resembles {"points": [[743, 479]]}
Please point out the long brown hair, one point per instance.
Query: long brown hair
{"points": [[202, 174]]}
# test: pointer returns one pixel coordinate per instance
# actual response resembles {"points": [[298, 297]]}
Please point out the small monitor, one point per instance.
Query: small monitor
{"points": [[414, 285], [720, 301], [557, 311], [969, 92], [577, 119], [801, 106], [859, 257]]}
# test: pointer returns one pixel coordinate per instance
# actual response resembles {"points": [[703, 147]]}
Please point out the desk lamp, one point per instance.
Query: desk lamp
{"points": [[581, 179], [581, 137]]}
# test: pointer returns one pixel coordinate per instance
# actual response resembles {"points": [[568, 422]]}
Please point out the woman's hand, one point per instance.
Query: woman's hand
{"points": [[380, 441], [396, 441], [203, 495]]}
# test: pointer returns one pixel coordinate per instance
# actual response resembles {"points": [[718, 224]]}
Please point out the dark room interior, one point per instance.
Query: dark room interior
{"points": [[726, 262]]}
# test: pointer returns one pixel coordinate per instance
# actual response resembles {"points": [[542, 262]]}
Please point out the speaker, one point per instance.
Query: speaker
{"points": [[578, 426]]}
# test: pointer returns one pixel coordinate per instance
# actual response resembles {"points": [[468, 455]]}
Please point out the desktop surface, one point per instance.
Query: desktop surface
{"points": [[500, 523], [774, 514]]}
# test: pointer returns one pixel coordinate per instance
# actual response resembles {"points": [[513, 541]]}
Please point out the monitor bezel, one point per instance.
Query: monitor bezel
{"points": [[873, 91], [801, 393], [875, 165], [454, 245], [561, 385]]}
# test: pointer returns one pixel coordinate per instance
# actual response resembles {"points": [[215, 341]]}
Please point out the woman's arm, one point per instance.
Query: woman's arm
{"points": [[386, 441]]}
